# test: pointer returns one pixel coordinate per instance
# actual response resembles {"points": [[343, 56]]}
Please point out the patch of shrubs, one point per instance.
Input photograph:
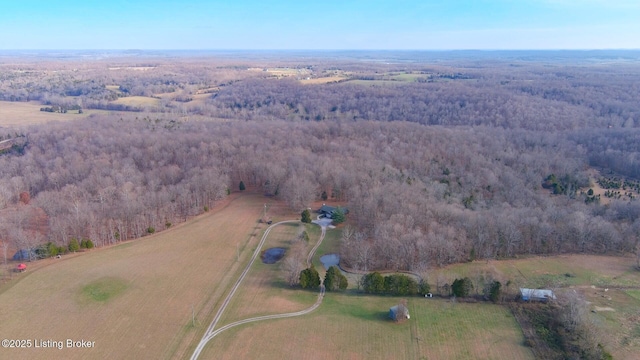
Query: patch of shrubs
{"points": [[50, 249], [395, 284]]}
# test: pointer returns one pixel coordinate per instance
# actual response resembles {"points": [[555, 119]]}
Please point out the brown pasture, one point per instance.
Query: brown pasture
{"points": [[160, 280], [14, 114]]}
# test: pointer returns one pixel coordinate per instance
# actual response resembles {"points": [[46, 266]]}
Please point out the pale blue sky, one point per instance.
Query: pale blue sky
{"points": [[326, 24]]}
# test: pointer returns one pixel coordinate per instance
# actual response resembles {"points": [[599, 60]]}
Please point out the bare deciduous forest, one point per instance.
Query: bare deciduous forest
{"points": [[474, 156]]}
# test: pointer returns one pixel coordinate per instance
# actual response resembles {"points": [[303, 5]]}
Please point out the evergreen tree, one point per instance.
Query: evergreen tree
{"points": [[423, 287], [309, 278], [344, 283], [338, 215], [373, 283], [329, 279], [52, 249], [335, 280], [86, 244], [306, 216], [462, 287], [495, 290], [241, 186], [73, 245], [399, 284], [324, 196]]}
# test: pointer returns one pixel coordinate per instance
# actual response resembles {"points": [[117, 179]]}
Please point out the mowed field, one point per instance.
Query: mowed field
{"points": [[14, 114], [134, 300], [350, 326]]}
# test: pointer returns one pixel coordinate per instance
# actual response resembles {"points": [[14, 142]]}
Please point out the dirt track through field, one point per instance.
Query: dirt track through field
{"points": [[211, 333]]}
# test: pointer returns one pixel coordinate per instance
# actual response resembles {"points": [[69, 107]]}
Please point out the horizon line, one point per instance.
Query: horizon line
{"points": [[303, 49]]}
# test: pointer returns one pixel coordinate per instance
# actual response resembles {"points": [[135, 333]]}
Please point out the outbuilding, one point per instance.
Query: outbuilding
{"points": [[399, 313], [25, 254], [542, 295]]}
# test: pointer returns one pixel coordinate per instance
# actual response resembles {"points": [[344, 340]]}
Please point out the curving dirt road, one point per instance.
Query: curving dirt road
{"points": [[211, 333]]}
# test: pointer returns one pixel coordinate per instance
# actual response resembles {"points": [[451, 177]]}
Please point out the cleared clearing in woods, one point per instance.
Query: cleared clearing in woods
{"points": [[135, 299], [139, 101], [14, 114]]}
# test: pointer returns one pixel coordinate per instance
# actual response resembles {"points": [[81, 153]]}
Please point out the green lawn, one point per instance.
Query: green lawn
{"points": [[103, 289], [348, 326], [634, 293]]}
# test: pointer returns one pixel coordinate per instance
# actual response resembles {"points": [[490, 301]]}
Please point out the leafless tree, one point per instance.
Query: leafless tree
{"points": [[293, 263]]}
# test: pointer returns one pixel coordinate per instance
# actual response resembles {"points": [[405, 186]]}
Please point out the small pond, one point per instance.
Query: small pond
{"points": [[329, 260], [272, 255]]}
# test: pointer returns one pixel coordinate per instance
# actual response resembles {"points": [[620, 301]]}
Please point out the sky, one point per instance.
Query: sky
{"points": [[320, 24]]}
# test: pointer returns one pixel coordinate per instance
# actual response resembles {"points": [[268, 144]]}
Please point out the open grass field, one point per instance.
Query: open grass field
{"points": [[134, 300], [140, 101], [375, 82], [199, 99], [114, 88], [13, 114], [552, 271], [323, 80], [356, 327], [616, 313], [286, 72], [409, 76]]}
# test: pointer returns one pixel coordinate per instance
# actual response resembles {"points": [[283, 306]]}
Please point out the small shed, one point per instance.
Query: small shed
{"points": [[399, 313], [542, 295], [21, 267], [24, 254]]}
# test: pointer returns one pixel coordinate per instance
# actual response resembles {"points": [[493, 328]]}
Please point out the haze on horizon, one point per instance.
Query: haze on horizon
{"points": [[320, 25]]}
